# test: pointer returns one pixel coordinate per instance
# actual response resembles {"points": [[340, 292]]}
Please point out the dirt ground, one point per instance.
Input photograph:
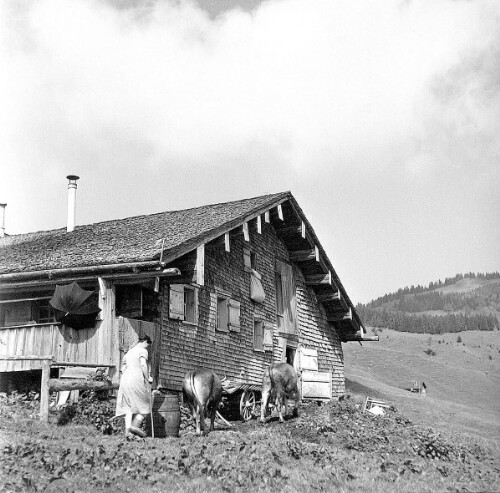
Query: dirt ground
{"points": [[333, 447]]}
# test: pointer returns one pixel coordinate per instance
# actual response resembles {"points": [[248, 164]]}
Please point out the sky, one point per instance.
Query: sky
{"points": [[381, 118]]}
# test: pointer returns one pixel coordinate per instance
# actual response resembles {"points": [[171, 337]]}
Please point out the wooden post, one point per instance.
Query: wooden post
{"points": [[107, 331], [44, 392]]}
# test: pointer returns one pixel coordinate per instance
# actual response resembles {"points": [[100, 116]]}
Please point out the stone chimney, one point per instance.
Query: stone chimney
{"points": [[71, 202]]}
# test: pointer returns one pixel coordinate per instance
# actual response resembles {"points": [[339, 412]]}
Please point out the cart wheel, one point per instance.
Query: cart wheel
{"points": [[247, 405]]}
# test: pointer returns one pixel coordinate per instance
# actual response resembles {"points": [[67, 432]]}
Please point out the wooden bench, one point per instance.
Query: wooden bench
{"points": [[418, 387]]}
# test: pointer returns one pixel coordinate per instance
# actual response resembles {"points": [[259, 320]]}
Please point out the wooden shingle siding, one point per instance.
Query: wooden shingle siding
{"points": [[231, 353], [187, 347]]}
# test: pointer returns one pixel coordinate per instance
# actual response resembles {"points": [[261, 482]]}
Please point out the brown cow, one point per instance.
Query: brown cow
{"points": [[203, 392], [279, 382]]}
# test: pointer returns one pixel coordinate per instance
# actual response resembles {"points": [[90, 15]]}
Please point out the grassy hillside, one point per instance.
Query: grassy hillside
{"points": [[462, 378], [467, 285]]}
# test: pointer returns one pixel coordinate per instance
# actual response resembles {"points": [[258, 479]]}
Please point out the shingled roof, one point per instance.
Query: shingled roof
{"points": [[166, 236], [134, 239]]}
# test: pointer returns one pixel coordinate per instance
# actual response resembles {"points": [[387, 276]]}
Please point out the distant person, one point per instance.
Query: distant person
{"points": [[134, 393]]}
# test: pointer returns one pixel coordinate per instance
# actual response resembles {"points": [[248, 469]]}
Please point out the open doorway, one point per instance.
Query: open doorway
{"points": [[290, 354]]}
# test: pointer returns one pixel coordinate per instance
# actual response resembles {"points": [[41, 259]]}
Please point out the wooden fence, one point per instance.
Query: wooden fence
{"points": [[47, 385]]}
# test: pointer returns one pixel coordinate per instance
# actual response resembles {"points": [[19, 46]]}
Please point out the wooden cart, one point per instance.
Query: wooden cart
{"points": [[244, 395]]}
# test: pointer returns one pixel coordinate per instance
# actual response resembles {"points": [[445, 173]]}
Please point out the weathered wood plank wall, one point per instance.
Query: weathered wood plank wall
{"points": [[129, 332], [96, 345], [64, 343]]}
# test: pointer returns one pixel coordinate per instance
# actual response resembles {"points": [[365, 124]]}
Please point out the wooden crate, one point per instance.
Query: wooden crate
{"points": [[372, 402]]}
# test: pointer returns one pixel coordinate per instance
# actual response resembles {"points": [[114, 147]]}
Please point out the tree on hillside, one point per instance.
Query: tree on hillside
{"points": [[432, 286], [428, 324]]}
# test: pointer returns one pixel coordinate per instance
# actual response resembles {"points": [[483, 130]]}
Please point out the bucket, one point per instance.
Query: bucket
{"points": [[166, 415]]}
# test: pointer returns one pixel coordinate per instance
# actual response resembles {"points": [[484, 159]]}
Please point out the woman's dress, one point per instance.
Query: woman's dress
{"points": [[134, 394]]}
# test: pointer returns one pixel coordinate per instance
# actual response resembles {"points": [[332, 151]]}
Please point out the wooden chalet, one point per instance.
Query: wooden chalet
{"points": [[191, 279]]}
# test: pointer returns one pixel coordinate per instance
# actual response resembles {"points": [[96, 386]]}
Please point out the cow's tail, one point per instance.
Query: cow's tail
{"points": [[197, 401], [271, 383]]}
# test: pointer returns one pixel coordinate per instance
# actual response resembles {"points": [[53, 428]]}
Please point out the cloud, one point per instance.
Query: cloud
{"points": [[354, 98], [308, 82]]}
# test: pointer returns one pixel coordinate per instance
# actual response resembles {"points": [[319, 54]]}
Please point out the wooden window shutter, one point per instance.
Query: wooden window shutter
{"points": [[279, 295], [268, 337], [309, 359], [289, 290], [234, 315], [258, 335], [285, 297], [176, 302], [197, 304], [222, 315], [191, 305]]}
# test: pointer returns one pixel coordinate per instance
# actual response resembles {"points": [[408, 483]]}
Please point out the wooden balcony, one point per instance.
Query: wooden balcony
{"points": [[93, 346]]}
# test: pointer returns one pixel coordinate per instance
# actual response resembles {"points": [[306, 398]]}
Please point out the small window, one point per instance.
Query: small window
{"points": [[222, 314], [26, 312], [136, 302], [258, 335], [46, 312], [249, 259], [16, 313], [228, 314], [183, 303], [129, 301]]}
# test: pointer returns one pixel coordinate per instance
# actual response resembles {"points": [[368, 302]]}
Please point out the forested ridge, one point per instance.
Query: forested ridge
{"points": [[464, 302]]}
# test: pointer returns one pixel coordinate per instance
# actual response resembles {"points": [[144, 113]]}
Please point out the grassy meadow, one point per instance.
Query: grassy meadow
{"points": [[462, 378]]}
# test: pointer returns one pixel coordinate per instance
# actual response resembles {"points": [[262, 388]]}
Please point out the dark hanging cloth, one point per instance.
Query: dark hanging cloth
{"points": [[77, 308]]}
